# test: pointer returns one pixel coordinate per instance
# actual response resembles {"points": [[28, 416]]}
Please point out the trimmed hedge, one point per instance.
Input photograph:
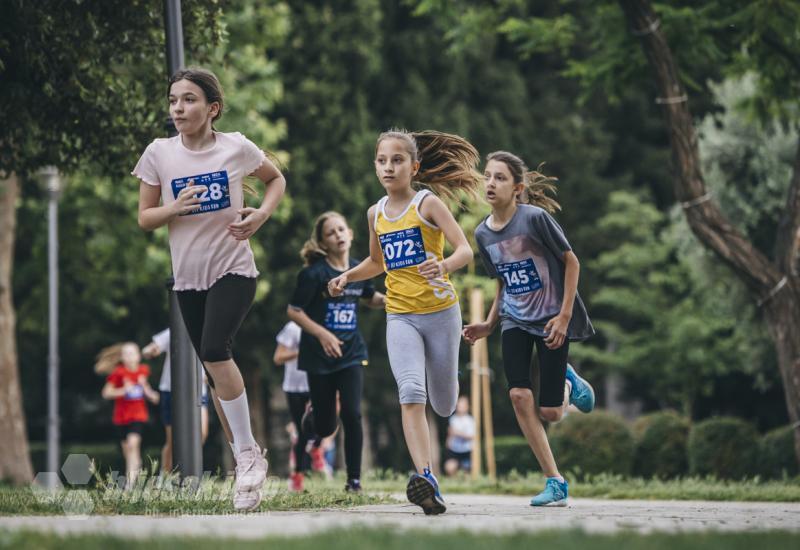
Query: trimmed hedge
{"points": [[595, 443], [724, 447], [661, 439], [512, 452], [777, 457]]}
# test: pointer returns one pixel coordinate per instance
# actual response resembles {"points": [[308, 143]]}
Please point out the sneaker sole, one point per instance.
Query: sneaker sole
{"points": [[589, 387], [422, 493], [251, 506], [556, 504]]}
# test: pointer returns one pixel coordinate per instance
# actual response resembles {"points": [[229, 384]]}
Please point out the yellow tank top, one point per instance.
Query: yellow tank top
{"points": [[406, 241]]}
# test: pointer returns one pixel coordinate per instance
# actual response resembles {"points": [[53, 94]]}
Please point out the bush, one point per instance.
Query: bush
{"points": [[592, 444], [723, 447], [512, 452], [777, 457], [660, 445]]}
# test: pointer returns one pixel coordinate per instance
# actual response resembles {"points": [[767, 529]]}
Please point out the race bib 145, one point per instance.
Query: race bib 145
{"points": [[520, 277]]}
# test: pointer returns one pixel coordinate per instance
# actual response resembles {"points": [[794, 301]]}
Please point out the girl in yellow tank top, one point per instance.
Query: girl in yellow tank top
{"points": [[423, 323], [407, 241]]}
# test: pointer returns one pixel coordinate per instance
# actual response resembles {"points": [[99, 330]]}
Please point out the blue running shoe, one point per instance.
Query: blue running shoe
{"points": [[554, 494], [582, 394], [423, 490]]}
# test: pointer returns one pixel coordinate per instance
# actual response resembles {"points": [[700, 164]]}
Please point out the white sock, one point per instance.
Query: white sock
{"points": [[238, 415]]}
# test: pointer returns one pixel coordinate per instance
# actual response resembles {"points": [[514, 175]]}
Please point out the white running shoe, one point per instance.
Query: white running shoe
{"points": [[246, 500], [251, 469]]}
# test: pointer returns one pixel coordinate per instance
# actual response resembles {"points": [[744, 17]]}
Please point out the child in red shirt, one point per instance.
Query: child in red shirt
{"points": [[127, 385]]}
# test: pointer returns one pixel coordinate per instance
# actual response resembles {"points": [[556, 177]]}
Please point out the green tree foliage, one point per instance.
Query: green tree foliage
{"points": [[113, 274], [670, 335], [82, 79]]}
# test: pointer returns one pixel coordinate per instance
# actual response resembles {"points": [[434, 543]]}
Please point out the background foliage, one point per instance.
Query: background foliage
{"points": [[315, 81]]}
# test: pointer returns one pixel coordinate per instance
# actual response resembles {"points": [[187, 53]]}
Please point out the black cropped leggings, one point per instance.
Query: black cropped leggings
{"points": [[349, 383], [213, 317]]}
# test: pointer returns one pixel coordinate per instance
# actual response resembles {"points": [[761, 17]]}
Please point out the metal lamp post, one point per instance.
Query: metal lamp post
{"points": [[51, 180], [186, 382]]}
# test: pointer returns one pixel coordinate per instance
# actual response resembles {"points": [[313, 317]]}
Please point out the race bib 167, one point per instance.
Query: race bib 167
{"points": [[217, 195], [403, 248], [341, 316], [520, 277]]}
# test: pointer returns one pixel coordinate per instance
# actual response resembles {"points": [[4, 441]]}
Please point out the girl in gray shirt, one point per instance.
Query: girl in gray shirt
{"points": [[537, 304]]}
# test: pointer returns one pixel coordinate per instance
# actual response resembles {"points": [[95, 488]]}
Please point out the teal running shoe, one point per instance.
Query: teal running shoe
{"points": [[582, 394], [423, 490], [554, 494]]}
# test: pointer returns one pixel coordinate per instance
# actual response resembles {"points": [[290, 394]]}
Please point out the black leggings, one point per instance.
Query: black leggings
{"points": [[517, 354], [349, 383], [297, 406], [212, 317]]}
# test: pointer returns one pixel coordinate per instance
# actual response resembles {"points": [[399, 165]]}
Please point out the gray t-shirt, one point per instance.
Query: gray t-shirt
{"points": [[527, 256]]}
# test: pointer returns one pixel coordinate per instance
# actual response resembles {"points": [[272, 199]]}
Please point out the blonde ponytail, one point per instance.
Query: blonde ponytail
{"points": [[109, 357]]}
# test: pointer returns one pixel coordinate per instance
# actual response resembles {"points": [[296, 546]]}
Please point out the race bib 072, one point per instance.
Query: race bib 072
{"points": [[216, 196], [402, 248], [520, 277]]}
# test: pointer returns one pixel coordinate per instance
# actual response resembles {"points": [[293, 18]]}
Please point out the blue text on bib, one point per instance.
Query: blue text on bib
{"points": [[341, 316], [216, 197], [520, 277], [403, 248]]}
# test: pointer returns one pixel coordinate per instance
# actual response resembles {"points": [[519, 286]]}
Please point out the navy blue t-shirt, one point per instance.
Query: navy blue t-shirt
{"points": [[339, 315]]}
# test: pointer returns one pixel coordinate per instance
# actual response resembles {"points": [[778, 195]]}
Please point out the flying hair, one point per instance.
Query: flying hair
{"points": [[109, 357], [448, 163], [537, 186]]}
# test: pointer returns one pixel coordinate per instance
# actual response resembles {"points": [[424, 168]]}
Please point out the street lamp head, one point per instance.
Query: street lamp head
{"points": [[50, 179]]}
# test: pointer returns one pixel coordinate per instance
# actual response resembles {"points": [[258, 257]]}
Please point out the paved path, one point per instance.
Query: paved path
{"points": [[478, 513]]}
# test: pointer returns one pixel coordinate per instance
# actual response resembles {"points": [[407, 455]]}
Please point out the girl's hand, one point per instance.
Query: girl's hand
{"points": [[153, 396], [253, 219], [187, 201], [151, 350], [432, 269], [337, 284], [556, 329], [331, 345], [474, 332]]}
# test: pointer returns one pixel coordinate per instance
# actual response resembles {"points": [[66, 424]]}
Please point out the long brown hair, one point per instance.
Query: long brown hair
{"points": [[109, 357], [448, 163], [537, 185], [312, 249]]}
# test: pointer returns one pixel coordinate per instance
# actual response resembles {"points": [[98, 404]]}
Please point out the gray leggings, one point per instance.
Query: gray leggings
{"points": [[424, 346]]}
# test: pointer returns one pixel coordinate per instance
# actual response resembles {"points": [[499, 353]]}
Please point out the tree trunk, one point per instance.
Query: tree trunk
{"points": [[775, 286], [15, 460]]}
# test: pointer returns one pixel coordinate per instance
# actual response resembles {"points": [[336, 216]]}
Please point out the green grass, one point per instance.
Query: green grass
{"points": [[601, 486], [385, 539], [212, 497]]}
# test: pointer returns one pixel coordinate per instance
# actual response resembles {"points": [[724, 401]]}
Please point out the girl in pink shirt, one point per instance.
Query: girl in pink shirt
{"points": [[193, 184]]}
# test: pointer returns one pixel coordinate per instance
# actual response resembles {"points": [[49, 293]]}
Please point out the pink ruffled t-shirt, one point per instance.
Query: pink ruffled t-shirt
{"points": [[202, 249]]}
